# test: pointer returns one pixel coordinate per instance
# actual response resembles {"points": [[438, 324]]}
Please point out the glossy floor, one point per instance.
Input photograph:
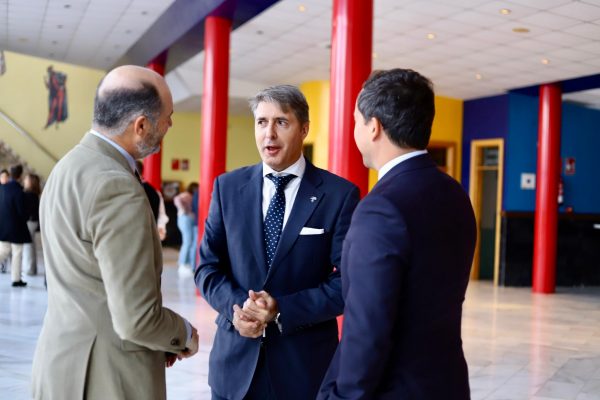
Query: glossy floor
{"points": [[518, 345]]}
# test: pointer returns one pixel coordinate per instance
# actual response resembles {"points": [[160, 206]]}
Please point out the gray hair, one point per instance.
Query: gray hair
{"points": [[115, 109], [287, 97]]}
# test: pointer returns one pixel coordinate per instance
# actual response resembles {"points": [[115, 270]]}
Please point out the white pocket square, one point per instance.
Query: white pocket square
{"points": [[312, 231]]}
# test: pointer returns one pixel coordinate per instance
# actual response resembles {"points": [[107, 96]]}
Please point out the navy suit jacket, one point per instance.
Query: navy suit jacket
{"points": [[13, 214], [302, 280], [405, 268]]}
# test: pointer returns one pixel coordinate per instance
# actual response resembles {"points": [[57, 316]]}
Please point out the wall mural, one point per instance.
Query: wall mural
{"points": [[57, 97]]}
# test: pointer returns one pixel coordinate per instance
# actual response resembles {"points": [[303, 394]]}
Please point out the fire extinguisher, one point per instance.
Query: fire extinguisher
{"points": [[561, 191]]}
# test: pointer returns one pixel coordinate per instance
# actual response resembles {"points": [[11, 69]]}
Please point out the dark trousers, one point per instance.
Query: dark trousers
{"points": [[260, 387]]}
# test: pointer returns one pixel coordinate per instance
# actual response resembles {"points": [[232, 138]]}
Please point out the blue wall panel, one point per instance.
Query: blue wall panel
{"points": [[485, 118]]}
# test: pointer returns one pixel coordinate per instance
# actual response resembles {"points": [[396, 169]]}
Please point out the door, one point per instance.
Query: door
{"points": [[486, 195]]}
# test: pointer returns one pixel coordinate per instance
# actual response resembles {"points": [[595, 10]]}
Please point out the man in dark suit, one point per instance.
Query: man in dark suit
{"points": [[406, 258], [13, 224], [272, 240]]}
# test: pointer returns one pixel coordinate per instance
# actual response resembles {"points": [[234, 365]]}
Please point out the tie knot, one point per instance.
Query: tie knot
{"points": [[280, 181]]}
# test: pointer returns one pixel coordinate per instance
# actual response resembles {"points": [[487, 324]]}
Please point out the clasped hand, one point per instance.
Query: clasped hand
{"points": [[258, 310]]}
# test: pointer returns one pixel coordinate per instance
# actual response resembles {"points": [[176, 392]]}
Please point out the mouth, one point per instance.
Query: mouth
{"points": [[272, 150]]}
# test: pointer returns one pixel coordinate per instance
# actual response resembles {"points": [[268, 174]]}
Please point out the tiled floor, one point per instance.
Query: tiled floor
{"points": [[518, 345]]}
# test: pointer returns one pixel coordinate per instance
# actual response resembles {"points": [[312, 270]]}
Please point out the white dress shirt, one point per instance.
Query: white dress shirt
{"points": [[395, 161], [290, 191]]}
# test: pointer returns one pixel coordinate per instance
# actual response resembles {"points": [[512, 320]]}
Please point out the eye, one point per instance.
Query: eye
{"points": [[261, 122], [283, 123]]}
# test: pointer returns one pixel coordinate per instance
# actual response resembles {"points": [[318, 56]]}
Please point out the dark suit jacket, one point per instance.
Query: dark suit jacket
{"points": [[13, 214], [301, 278], [405, 268]]}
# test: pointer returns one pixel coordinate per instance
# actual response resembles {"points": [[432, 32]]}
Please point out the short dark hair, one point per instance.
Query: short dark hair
{"points": [[115, 109], [287, 97], [16, 171], [4, 171], [403, 102]]}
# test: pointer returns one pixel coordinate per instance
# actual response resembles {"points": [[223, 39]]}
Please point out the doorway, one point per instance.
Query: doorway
{"points": [[485, 190], [443, 154]]}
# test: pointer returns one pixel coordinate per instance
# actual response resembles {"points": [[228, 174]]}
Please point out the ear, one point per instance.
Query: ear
{"points": [[141, 126], [305, 128], [375, 128]]}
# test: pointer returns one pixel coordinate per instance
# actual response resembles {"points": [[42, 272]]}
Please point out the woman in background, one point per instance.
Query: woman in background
{"points": [[32, 192], [186, 222]]}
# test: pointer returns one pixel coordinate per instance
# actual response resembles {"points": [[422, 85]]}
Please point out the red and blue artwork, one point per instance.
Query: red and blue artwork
{"points": [[57, 97]]}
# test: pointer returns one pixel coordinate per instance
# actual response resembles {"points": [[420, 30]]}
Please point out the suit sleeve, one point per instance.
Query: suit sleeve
{"points": [[213, 275], [376, 260], [322, 303], [121, 228]]}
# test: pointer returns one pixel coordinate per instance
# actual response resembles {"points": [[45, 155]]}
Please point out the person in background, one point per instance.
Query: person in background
{"points": [[13, 224], [4, 176], [188, 226], [32, 192], [157, 203], [406, 257]]}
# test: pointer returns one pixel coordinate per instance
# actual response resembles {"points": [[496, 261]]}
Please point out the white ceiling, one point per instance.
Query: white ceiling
{"points": [[284, 45]]}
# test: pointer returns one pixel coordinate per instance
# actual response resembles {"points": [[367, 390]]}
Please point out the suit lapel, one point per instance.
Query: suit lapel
{"points": [[251, 202], [308, 198]]}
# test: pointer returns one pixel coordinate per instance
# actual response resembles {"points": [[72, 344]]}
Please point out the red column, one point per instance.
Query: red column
{"points": [[214, 109], [546, 195], [153, 163], [351, 54]]}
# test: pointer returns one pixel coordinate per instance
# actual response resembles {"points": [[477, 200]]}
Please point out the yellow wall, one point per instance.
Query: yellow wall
{"points": [[24, 98], [317, 96], [183, 142], [447, 126]]}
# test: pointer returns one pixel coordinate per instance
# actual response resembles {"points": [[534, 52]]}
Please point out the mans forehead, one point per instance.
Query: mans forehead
{"points": [[273, 109]]}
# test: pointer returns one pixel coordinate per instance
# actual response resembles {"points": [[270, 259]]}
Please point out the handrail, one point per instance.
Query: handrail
{"points": [[24, 133]]}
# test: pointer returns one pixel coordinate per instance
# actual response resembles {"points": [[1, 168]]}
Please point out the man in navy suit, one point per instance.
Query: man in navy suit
{"points": [[13, 224], [272, 240], [406, 258]]}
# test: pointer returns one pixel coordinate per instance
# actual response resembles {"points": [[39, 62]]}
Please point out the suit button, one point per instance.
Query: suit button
{"points": [[175, 342]]}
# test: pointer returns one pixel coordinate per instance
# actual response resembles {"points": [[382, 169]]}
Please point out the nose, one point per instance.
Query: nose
{"points": [[271, 132]]}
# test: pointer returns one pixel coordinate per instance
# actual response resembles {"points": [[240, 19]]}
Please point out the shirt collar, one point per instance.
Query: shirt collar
{"points": [[395, 161], [121, 150], [296, 168]]}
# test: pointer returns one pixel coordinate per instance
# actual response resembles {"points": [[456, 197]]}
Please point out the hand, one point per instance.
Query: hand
{"points": [[261, 306], [170, 359], [192, 348], [246, 325], [162, 234]]}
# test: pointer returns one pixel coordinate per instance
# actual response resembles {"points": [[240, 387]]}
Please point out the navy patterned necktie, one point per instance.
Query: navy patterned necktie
{"points": [[274, 219]]}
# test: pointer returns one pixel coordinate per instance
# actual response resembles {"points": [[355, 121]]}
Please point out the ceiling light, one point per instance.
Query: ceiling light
{"points": [[520, 30], [51, 55], [478, 77], [545, 61], [144, 12], [55, 42], [374, 55], [67, 6], [505, 11], [259, 32], [301, 8], [431, 36], [59, 26], [128, 31]]}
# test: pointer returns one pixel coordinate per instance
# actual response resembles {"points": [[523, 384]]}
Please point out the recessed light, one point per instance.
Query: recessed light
{"points": [[144, 12], [51, 55], [545, 61], [431, 36], [520, 29], [128, 31], [301, 8], [59, 26], [55, 42], [505, 11], [67, 6], [259, 32], [117, 46], [374, 55], [478, 77]]}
